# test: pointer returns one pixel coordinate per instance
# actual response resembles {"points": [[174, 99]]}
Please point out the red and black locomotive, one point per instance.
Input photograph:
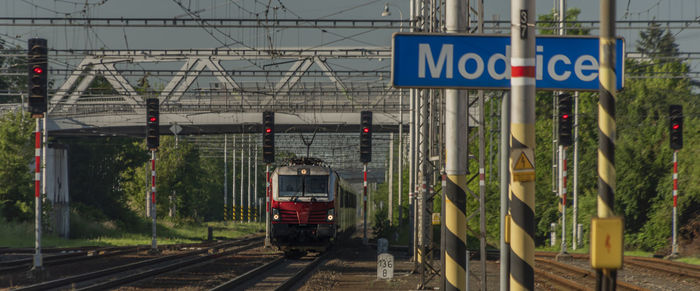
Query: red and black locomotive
{"points": [[311, 206]]}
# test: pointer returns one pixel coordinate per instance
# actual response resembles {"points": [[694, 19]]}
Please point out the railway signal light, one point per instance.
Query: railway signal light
{"points": [[565, 117], [366, 136], [37, 57], [268, 137], [152, 124], [676, 126]]}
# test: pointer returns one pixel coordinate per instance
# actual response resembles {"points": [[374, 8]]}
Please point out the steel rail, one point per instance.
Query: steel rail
{"points": [[114, 270], [247, 276], [665, 267], [666, 262], [585, 273], [252, 275]]}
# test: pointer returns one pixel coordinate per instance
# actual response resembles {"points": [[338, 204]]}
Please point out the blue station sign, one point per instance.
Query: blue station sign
{"points": [[483, 62]]}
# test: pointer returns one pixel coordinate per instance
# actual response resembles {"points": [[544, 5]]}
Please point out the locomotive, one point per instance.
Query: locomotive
{"points": [[311, 206]]}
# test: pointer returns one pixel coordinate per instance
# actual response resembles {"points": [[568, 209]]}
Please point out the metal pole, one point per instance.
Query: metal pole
{"points": [[575, 233], [482, 167], [255, 182], [412, 154], [225, 179], [234, 205], [154, 240], [391, 177], [248, 202], [454, 194], [242, 212], [674, 245], [268, 198], [38, 259], [505, 178], [401, 159], [482, 191], [522, 153], [606, 128], [424, 225], [562, 193], [364, 201]]}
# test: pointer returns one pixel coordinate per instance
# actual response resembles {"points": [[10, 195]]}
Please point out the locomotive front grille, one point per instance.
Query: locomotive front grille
{"points": [[315, 216]]}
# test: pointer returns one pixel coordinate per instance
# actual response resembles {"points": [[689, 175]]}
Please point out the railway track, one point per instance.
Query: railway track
{"points": [[124, 274], [655, 264], [58, 256], [279, 274], [665, 266], [569, 277]]}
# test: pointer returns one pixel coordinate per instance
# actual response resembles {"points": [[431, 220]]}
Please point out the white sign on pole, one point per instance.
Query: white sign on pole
{"points": [[385, 266], [175, 129]]}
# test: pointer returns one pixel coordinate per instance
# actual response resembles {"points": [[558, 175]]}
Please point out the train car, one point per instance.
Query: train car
{"points": [[311, 206]]}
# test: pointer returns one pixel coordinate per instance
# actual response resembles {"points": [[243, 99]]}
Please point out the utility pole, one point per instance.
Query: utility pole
{"points": [[454, 195], [268, 200], [400, 156], [391, 177], [242, 212], [249, 167], [255, 183], [574, 230], [364, 203], [522, 152], [505, 178], [154, 239], [234, 205], [606, 277], [225, 180], [38, 258]]}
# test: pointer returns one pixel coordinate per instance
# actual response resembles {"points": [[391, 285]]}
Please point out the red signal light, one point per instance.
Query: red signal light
{"points": [[365, 129], [152, 119], [565, 116], [38, 70], [268, 130], [676, 126]]}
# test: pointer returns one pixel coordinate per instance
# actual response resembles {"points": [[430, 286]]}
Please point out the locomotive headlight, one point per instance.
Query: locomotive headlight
{"points": [[275, 214], [331, 214]]}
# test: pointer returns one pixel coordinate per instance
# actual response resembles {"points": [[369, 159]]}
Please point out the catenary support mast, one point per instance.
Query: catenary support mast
{"points": [[522, 153]]}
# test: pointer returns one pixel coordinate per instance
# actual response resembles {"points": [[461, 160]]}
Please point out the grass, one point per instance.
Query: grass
{"points": [[168, 232], [689, 260]]}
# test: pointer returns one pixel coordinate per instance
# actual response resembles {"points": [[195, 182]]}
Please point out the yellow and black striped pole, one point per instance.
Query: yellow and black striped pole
{"points": [[454, 194], [606, 128], [522, 145]]}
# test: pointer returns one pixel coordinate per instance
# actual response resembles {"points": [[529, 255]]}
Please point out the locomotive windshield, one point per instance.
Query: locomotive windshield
{"points": [[310, 186]]}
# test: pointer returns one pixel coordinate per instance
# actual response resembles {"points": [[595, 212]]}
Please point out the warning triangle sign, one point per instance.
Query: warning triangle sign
{"points": [[523, 163]]}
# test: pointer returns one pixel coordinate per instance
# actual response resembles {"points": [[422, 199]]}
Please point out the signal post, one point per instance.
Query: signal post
{"points": [[565, 140], [268, 157], [37, 57], [152, 142], [676, 138], [365, 157]]}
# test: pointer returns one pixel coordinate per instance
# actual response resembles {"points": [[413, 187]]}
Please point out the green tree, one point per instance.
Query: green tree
{"points": [[95, 171], [644, 184], [548, 24], [12, 84], [16, 151]]}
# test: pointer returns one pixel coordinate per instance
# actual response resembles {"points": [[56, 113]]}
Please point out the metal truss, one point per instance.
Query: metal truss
{"points": [[296, 89], [199, 22], [489, 25]]}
